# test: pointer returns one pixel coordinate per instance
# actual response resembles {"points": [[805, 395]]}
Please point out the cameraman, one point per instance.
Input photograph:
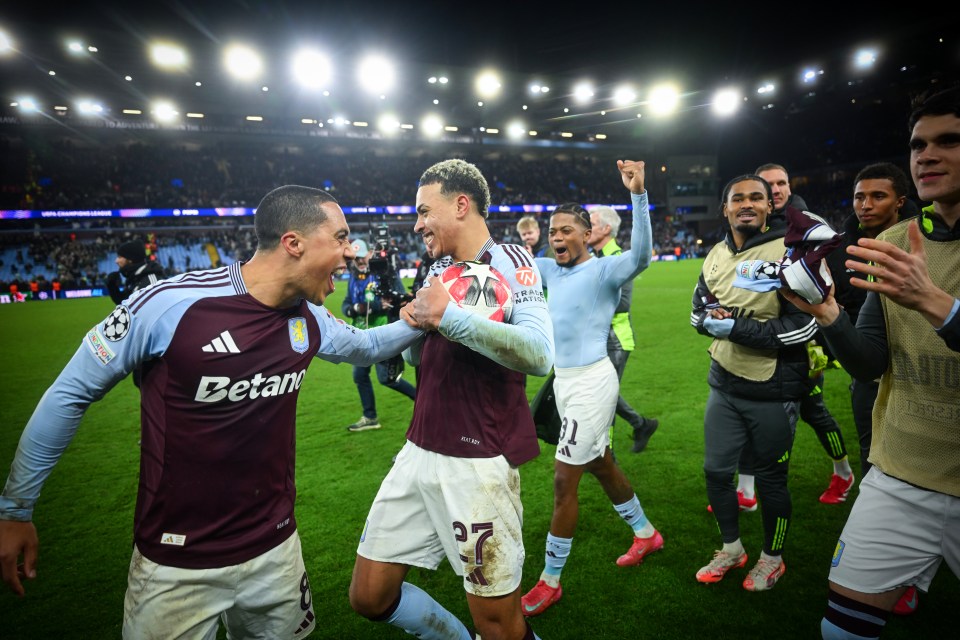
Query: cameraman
{"points": [[137, 271], [370, 303]]}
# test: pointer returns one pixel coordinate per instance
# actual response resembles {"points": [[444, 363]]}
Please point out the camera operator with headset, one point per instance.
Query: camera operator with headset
{"points": [[374, 296]]}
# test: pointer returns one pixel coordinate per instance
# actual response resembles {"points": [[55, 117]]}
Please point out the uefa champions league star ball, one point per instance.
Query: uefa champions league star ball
{"points": [[480, 289]]}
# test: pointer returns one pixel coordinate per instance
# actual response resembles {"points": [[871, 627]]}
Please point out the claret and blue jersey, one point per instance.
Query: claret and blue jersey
{"points": [[221, 377]]}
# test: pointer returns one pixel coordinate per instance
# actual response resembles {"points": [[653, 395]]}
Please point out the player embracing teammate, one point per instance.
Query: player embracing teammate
{"points": [[454, 490]]}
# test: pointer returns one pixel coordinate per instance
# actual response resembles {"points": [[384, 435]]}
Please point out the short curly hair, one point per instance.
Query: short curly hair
{"points": [[459, 176]]}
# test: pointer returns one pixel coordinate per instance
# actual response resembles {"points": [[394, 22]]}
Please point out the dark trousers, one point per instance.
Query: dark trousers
{"points": [[764, 431], [619, 359], [862, 397], [361, 376]]}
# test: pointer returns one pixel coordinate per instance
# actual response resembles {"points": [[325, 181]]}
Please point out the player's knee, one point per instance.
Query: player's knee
{"points": [[718, 478], [370, 603], [564, 487]]}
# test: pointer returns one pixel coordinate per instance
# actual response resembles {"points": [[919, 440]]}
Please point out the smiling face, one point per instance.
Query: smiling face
{"points": [[437, 220], [569, 239], [779, 184], [326, 249], [935, 159], [746, 209], [876, 204]]}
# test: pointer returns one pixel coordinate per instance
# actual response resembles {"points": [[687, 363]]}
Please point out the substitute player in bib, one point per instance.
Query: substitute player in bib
{"points": [[584, 293], [906, 519], [454, 490], [223, 354]]}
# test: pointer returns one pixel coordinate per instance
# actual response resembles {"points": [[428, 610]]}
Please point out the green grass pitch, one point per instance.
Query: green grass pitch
{"points": [[85, 514]]}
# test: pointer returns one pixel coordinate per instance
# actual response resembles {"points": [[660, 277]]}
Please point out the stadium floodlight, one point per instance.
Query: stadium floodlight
{"points": [[865, 58], [726, 102], [128, 78], [432, 125], [809, 75], [487, 84], [6, 43], [516, 130], [766, 87], [376, 74], [583, 92], [624, 95], [164, 111], [92, 49], [167, 55], [242, 62], [664, 99], [89, 108], [438, 79], [388, 124], [312, 69], [51, 72], [26, 105], [75, 47]]}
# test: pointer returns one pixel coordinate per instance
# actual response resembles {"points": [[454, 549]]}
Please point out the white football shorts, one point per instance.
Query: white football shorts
{"points": [[586, 402], [467, 509], [266, 597], [896, 535]]}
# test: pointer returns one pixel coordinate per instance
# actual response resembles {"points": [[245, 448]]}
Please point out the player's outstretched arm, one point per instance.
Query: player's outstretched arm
{"points": [[629, 264], [18, 539], [343, 343], [902, 276], [625, 267], [525, 344]]}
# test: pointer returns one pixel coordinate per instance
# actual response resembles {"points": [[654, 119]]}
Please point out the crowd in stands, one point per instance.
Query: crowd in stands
{"points": [[58, 175], [54, 173]]}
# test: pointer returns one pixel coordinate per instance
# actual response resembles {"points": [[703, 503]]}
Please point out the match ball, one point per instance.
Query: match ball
{"points": [[480, 289]]}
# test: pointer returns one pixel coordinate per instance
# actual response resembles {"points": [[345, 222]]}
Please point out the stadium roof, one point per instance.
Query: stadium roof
{"points": [[699, 47]]}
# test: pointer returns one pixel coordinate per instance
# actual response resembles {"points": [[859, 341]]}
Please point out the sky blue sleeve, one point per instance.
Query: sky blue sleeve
{"points": [[524, 344], [339, 342], [628, 265], [94, 369]]}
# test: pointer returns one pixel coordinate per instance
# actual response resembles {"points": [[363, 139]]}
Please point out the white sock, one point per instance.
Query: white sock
{"points": [[734, 548], [745, 484], [842, 468], [769, 558]]}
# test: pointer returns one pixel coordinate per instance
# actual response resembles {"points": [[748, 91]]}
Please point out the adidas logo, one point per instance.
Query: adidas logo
{"points": [[476, 577], [222, 344], [565, 451]]}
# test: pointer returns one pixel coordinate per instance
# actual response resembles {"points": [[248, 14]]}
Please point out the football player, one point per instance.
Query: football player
{"points": [[223, 354], [584, 294], [454, 490]]}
